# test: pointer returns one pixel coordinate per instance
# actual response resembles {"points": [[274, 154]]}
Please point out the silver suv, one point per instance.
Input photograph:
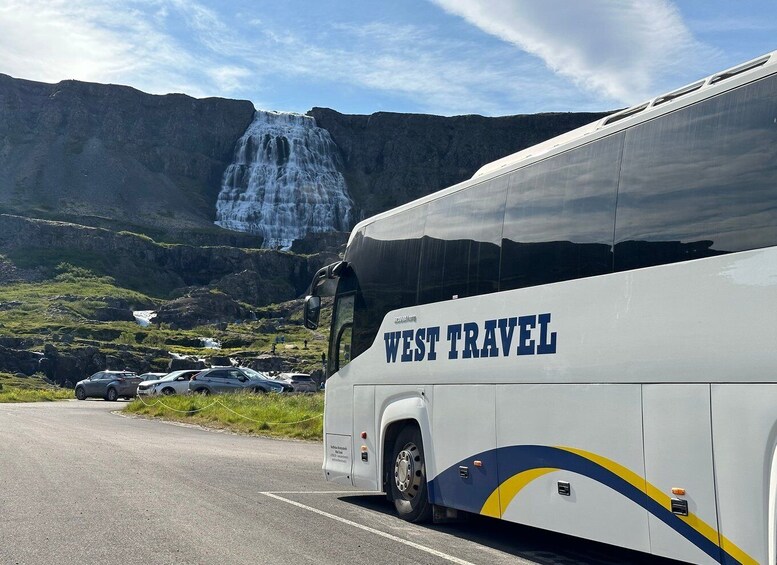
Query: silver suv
{"points": [[109, 385], [301, 382], [234, 379]]}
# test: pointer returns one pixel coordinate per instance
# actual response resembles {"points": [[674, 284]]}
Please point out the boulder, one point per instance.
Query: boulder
{"points": [[183, 363], [111, 314], [201, 307]]}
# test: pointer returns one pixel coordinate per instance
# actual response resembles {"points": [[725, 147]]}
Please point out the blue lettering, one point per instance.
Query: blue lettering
{"points": [[392, 345], [432, 337], [470, 341], [454, 333], [525, 325], [420, 346], [407, 353], [489, 340], [546, 346], [506, 328]]}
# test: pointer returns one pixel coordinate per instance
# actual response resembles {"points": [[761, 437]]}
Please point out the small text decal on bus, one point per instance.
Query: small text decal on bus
{"points": [[519, 335]]}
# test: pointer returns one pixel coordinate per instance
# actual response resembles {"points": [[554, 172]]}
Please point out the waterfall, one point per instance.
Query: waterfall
{"points": [[284, 182]]}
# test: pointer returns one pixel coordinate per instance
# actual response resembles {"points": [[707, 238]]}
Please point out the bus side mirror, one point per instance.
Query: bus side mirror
{"points": [[312, 311]]}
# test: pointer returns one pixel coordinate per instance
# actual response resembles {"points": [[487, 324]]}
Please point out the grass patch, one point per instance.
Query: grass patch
{"points": [[34, 395], [30, 389], [276, 415]]}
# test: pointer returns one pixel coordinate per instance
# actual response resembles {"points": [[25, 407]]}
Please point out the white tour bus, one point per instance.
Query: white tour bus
{"points": [[582, 337]]}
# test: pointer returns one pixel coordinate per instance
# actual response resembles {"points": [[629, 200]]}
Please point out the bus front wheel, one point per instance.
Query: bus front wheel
{"points": [[408, 477]]}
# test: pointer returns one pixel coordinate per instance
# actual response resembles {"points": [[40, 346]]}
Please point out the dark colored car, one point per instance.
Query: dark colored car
{"points": [[234, 379], [109, 385]]}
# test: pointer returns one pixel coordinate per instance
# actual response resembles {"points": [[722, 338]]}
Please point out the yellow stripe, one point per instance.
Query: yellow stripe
{"points": [[736, 552], [503, 495], [651, 490]]}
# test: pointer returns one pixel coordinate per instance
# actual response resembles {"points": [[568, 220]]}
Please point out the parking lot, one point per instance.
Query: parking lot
{"points": [[83, 484]]}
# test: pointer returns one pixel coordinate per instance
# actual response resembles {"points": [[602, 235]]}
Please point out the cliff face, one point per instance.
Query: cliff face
{"points": [[390, 159], [257, 277], [98, 153]]}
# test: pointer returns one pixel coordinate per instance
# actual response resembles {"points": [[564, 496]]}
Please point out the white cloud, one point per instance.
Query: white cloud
{"points": [[442, 76], [626, 50], [102, 41], [229, 78]]}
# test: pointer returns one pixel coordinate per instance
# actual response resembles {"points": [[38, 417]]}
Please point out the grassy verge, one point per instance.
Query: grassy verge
{"points": [[30, 389], [276, 415], [35, 395]]}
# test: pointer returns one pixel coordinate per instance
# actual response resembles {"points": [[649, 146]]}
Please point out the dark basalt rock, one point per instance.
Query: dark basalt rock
{"points": [[201, 307], [254, 276], [185, 363], [95, 151], [110, 314], [391, 158]]}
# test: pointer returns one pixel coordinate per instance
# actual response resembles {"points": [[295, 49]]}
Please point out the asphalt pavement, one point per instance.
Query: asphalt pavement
{"points": [[82, 484]]}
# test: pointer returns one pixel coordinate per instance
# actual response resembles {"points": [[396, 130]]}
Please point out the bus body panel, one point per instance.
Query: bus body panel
{"points": [[364, 471], [678, 454], [570, 433], [464, 431], [338, 429], [660, 316], [744, 436]]}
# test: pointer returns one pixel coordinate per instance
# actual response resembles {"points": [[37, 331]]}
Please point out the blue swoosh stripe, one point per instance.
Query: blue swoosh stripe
{"points": [[448, 489]]}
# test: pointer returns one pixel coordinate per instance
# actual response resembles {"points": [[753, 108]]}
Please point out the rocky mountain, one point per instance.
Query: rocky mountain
{"points": [[115, 157], [391, 158]]}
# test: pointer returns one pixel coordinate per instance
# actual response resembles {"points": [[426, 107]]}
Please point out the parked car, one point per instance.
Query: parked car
{"points": [[150, 377], [300, 382], [109, 385], [234, 379], [176, 382]]}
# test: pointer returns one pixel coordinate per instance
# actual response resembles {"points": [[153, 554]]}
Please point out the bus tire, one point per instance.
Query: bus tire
{"points": [[408, 476]]}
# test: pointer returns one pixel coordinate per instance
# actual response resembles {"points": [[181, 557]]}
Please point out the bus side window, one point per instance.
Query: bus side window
{"points": [[344, 346]]}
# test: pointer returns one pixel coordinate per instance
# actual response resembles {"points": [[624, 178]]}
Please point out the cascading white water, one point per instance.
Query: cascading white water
{"points": [[284, 182]]}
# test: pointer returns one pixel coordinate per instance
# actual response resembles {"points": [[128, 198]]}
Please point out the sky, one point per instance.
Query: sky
{"points": [[447, 57]]}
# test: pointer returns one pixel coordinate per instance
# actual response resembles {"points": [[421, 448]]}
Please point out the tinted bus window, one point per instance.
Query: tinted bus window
{"points": [[460, 249], [701, 181], [560, 216], [384, 260]]}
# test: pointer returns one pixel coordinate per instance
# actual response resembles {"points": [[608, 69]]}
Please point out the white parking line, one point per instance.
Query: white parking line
{"points": [[414, 545], [353, 492]]}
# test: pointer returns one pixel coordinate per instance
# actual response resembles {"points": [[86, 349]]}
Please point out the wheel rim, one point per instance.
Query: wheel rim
{"points": [[407, 471], [167, 392], [80, 395]]}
